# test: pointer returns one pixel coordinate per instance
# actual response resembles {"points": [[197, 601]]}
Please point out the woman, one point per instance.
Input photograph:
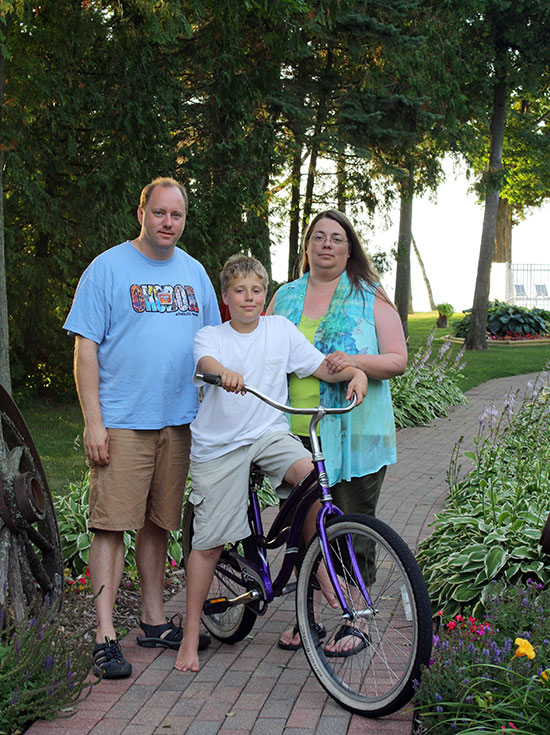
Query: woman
{"points": [[340, 307]]}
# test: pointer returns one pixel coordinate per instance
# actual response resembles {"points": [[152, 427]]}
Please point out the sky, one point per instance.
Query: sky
{"points": [[447, 232]]}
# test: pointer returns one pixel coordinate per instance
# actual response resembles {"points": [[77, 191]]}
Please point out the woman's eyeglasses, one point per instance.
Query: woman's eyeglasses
{"points": [[333, 239]]}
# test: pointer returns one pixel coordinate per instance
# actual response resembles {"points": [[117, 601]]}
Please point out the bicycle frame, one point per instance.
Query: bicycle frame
{"points": [[314, 486]]}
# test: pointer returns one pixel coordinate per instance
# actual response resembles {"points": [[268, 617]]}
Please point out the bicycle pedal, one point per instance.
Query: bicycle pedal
{"points": [[216, 606]]}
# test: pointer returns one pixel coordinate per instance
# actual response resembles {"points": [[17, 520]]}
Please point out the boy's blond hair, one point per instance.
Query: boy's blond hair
{"points": [[242, 265]]}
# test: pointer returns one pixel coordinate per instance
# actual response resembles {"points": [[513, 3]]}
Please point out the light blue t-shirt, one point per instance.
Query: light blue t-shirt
{"points": [[144, 314]]}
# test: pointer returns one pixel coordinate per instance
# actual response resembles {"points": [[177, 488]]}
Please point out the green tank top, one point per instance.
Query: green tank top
{"points": [[304, 392]]}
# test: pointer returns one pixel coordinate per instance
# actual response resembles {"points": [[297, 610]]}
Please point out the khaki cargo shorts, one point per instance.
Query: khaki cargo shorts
{"points": [[145, 478]]}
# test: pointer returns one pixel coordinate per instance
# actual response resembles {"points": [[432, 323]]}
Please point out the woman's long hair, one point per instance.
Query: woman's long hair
{"points": [[359, 268]]}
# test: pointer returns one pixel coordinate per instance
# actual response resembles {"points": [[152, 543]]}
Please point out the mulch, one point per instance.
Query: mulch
{"points": [[78, 614]]}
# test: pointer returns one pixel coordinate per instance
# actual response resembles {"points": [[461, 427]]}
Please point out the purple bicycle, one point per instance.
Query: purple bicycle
{"points": [[383, 599]]}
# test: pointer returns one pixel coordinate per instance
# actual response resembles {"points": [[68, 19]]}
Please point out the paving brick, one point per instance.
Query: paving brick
{"points": [[110, 727], [269, 726]]}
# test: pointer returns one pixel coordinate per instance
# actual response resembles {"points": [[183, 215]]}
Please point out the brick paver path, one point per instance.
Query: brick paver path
{"points": [[253, 686]]}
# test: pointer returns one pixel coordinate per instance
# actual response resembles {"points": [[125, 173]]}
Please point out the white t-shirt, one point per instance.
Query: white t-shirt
{"points": [[264, 357]]}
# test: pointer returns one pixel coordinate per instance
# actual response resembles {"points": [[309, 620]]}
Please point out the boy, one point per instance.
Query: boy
{"points": [[232, 431]]}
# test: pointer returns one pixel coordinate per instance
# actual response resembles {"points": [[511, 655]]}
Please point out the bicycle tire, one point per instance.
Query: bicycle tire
{"points": [[235, 623], [397, 629]]}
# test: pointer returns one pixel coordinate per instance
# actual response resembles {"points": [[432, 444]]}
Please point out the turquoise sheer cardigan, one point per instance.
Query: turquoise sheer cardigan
{"points": [[361, 442]]}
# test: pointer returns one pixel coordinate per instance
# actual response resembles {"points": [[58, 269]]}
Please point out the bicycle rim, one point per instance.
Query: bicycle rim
{"points": [[395, 631], [236, 622]]}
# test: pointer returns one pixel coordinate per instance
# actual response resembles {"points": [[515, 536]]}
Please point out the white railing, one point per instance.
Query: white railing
{"points": [[528, 285]]}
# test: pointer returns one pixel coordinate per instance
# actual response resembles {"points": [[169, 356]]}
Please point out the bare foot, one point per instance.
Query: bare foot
{"points": [[188, 656], [326, 586], [290, 640]]}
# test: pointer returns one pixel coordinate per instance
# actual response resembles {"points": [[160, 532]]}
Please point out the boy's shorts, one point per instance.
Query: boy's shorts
{"points": [[220, 486], [145, 478]]}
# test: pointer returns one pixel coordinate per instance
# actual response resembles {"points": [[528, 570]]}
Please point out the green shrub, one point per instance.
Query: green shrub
{"points": [[507, 321], [428, 387], [42, 668], [493, 675], [493, 520]]}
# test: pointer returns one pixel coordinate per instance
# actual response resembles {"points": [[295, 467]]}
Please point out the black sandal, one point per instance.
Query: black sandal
{"points": [[321, 633], [154, 635], [344, 631]]}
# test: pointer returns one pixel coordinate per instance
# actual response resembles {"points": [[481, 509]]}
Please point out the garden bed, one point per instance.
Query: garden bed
{"points": [[503, 342]]}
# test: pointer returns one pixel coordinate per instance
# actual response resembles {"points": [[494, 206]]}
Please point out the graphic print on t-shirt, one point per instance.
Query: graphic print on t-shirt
{"points": [[150, 297]]}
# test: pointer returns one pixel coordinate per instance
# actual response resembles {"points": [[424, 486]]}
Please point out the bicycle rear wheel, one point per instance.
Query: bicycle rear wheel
{"points": [[392, 635], [235, 623]]}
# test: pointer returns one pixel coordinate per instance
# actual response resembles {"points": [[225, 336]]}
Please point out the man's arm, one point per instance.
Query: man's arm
{"points": [[357, 380], [86, 374]]}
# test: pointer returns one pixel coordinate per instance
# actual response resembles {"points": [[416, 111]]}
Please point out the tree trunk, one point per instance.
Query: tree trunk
{"points": [[294, 235], [310, 183], [503, 237], [315, 143], [5, 378], [424, 274], [403, 271], [341, 182], [476, 339]]}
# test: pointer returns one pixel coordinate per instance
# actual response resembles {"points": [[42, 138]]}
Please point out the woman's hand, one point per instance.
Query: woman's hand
{"points": [[338, 360], [357, 385]]}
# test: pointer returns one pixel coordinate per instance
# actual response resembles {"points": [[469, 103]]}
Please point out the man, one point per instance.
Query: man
{"points": [[135, 312]]}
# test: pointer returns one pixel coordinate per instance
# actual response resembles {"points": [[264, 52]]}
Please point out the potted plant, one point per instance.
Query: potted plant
{"points": [[445, 310]]}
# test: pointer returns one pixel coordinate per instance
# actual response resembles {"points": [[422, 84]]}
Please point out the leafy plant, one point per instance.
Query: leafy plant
{"points": [[494, 516], [42, 668], [506, 320], [428, 387], [492, 675], [445, 309]]}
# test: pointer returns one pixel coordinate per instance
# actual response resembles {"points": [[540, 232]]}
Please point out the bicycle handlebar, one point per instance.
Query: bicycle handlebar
{"points": [[317, 411]]}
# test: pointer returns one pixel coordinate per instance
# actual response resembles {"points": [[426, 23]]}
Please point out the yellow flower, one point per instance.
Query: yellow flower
{"points": [[524, 649], [544, 677]]}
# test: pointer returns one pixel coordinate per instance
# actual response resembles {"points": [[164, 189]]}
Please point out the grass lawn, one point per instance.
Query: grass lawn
{"points": [[57, 428], [496, 362]]}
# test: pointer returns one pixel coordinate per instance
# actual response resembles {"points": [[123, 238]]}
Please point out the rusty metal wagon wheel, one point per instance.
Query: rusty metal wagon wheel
{"points": [[31, 562], [545, 537]]}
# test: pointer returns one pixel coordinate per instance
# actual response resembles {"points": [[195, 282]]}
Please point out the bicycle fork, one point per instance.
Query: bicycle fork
{"points": [[328, 509]]}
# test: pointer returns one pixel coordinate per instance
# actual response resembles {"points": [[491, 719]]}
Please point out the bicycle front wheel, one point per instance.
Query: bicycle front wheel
{"points": [[369, 662], [235, 623]]}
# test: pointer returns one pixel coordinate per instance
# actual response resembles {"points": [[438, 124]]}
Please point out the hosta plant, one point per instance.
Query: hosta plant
{"points": [[494, 516], [429, 386]]}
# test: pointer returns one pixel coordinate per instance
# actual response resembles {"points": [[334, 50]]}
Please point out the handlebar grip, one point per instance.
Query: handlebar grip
{"points": [[209, 378]]}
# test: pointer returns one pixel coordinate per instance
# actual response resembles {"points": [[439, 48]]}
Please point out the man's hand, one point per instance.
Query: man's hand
{"points": [[338, 360], [96, 444]]}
